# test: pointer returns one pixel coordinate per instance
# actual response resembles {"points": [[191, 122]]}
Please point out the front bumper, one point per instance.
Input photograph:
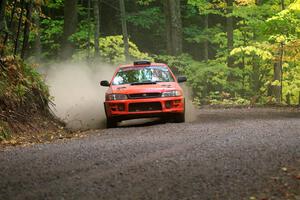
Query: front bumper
{"points": [[152, 107]]}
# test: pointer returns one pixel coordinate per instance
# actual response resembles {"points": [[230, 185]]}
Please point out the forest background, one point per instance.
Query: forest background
{"points": [[238, 52]]}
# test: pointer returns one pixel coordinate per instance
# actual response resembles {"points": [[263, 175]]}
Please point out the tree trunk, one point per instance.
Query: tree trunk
{"points": [[255, 67], [10, 24], [282, 4], [278, 75], [168, 26], [19, 27], [26, 29], [37, 46], [173, 27], [255, 75], [3, 27], [89, 30], [277, 89], [70, 24], [124, 29], [229, 27], [97, 27], [205, 45]]}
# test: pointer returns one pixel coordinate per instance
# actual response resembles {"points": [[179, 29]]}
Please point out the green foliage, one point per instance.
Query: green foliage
{"points": [[209, 80], [50, 36], [56, 4], [146, 18], [194, 34], [81, 37], [285, 22], [260, 32], [112, 51]]}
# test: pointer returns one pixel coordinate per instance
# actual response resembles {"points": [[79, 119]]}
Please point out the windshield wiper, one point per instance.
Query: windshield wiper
{"points": [[144, 83]]}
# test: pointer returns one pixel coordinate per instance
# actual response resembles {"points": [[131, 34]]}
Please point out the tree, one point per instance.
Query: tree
{"points": [[37, 46], [2, 16], [229, 29], [205, 43], [124, 29], [27, 25], [3, 27], [173, 26], [19, 27], [97, 26], [277, 88], [69, 28]]}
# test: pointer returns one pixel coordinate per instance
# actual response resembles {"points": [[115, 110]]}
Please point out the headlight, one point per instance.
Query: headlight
{"points": [[173, 93], [112, 97]]}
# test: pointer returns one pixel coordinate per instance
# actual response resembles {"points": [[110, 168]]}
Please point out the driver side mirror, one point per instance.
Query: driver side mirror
{"points": [[104, 83], [181, 79]]}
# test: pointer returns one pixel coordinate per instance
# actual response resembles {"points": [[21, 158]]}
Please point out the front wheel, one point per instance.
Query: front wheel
{"points": [[179, 118], [111, 123]]}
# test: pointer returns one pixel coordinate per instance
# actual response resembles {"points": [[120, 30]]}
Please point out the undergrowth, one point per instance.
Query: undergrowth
{"points": [[22, 93]]}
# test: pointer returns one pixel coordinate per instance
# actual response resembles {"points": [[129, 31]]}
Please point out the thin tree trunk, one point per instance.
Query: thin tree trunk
{"points": [[97, 27], [26, 29], [276, 88], [168, 26], [9, 25], [37, 46], [70, 25], [124, 29], [19, 28], [3, 27], [174, 26], [206, 41], [89, 29], [255, 67], [282, 4], [278, 76], [229, 26]]}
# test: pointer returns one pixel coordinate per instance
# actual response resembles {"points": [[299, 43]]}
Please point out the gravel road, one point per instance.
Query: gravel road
{"points": [[224, 154]]}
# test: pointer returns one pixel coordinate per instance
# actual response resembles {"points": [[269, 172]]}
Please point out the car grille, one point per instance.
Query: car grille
{"points": [[150, 106], [144, 95]]}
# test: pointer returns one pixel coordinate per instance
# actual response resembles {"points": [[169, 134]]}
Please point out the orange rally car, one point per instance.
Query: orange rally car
{"points": [[142, 90]]}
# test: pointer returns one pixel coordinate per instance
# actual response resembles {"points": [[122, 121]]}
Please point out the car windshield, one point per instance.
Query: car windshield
{"points": [[142, 75]]}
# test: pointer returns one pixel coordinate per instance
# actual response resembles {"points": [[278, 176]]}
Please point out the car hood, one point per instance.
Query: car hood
{"points": [[147, 88]]}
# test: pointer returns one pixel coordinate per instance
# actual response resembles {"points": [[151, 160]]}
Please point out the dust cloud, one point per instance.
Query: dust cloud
{"points": [[78, 96]]}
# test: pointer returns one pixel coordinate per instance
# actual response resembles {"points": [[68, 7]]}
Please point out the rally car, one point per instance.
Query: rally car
{"points": [[143, 90]]}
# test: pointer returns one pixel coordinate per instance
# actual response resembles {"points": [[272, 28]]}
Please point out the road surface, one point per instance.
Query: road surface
{"points": [[224, 154]]}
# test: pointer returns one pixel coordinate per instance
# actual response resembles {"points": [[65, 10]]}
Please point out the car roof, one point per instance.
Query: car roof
{"points": [[152, 64]]}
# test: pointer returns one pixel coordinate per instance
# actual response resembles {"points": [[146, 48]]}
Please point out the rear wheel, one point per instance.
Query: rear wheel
{"points": [[111, 123]]}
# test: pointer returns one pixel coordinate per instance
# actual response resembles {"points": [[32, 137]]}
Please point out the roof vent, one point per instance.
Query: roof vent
{"points": [[142, 62]]}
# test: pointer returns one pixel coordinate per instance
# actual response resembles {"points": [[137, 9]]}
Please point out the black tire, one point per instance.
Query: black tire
{"points": [[111, 123], [179, 118]]}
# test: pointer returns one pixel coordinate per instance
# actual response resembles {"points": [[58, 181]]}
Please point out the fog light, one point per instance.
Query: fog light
{"points": [[168, 104], [113, 107], [121, 107], [177, 101]]}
